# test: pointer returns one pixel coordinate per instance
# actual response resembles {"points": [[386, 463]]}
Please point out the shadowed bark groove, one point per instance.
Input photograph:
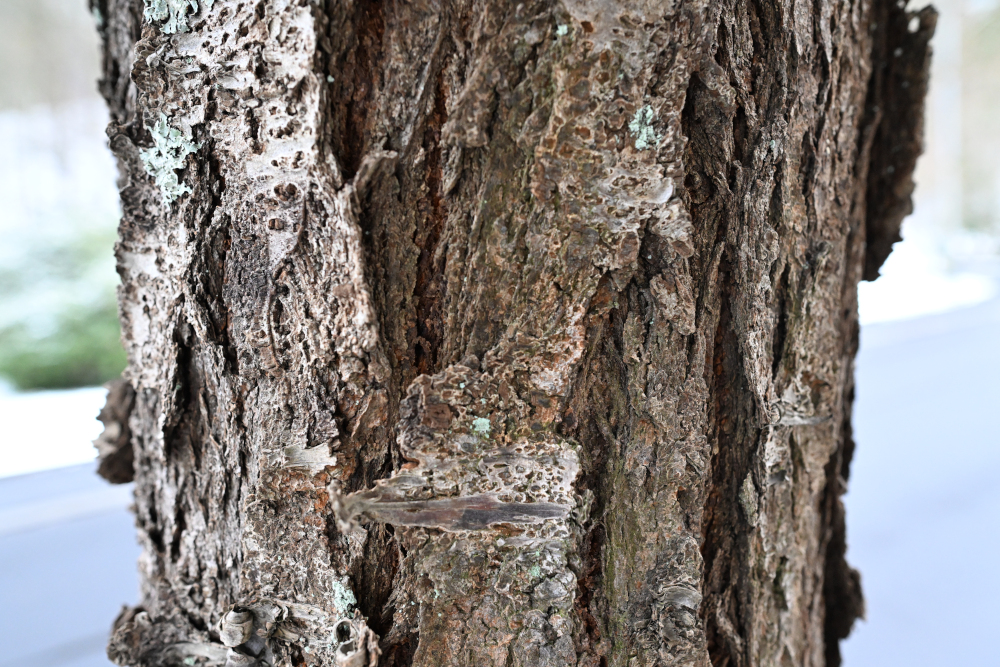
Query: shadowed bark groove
{"points": [[498, 333]]}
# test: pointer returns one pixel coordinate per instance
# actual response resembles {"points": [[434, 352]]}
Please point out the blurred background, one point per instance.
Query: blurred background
{"points": [[924, 495]]}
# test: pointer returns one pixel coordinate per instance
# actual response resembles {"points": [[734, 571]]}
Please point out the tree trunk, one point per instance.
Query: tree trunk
{"points": [[476, 332]]}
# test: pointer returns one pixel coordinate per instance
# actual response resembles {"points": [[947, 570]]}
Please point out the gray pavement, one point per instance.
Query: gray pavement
{"points": [[67, 564], [923, 515], [923, 507]]}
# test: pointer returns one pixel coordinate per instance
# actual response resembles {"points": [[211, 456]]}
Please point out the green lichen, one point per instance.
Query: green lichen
{"points": [[174, 12], [561, 30], [168, 154], [482, 426], [641, 128], [343, 597], [535, 571]]}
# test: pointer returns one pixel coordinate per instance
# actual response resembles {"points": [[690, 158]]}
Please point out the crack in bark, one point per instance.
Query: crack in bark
{"points": [[428, 288]]}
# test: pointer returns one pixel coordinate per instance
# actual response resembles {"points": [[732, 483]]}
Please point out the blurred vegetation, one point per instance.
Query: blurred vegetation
{"points": [[62, 326], [83, 350], [980, 129], [58, 316]]}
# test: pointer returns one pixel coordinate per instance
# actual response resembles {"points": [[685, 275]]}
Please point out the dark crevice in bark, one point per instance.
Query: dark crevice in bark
{"points": [[725, 526], [214, 276], [195, 620], [740, 135], [152, 526], [399, 654], [428, 289], [781, 299], [361, 74], [590, 581], [808, 164], [374, 578], [175, 420], [590, 412], [180, 524]]}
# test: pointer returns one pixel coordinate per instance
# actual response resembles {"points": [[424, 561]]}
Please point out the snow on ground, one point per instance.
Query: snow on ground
{"points": [[923, 506], [48, 429], [917, 279]]}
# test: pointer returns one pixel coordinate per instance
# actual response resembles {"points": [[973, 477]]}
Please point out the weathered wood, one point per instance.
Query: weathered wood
{"points": [[474, 332]]}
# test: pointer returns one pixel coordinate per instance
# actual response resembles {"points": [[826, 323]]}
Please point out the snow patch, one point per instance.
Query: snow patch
{"points": [[48, 429]]}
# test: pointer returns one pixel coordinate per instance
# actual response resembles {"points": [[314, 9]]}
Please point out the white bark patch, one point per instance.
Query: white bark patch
{"points": [[604, 17], [174, 12]]}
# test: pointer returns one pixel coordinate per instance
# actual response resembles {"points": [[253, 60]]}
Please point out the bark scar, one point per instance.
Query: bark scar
{"points": [[462, 474]]}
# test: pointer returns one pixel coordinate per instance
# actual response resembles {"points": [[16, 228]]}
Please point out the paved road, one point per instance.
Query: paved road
{"points": [[67, 564], [923, 515], [923, 510]]}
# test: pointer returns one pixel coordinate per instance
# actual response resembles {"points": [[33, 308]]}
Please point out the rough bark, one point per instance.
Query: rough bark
{"points": [[475, 332]]}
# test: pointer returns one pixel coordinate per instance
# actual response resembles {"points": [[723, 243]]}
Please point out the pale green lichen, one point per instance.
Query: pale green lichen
{"points": [[168, 154], [343, 597], [174, 12], [481, 426], [641, 128], [562, 30], [535, 571]]}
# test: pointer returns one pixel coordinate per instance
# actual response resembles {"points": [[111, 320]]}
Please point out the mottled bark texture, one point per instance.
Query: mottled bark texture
{"points": [[483, 332]]}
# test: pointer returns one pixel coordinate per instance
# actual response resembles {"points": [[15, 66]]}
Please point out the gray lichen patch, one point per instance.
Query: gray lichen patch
{"points": [[343, 597], [174, 12], [641, 128], [482, 426], [168, 154]]}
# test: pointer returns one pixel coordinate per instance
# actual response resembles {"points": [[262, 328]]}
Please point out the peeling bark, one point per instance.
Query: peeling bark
{"points": [[114, 445], [489, 333]]}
